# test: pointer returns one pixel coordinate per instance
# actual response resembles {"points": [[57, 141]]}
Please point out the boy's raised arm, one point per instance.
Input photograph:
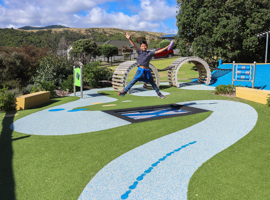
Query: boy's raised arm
{"points": [[131, 42], [160, 50]]}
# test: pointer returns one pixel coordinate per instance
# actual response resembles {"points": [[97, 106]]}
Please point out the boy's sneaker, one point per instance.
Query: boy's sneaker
{"points": [[161, 95], [123, 93]]}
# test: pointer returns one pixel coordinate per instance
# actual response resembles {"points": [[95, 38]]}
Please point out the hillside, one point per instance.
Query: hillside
{"points": [[52, 37], [109, 32], [42, 28]]}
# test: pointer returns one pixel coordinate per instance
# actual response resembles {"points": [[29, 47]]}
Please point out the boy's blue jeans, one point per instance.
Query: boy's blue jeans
{"points": [[142, 75]]}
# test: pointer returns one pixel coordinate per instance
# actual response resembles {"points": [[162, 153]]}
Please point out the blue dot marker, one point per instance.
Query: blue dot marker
{"points": [[76, 110], [56, 110]]}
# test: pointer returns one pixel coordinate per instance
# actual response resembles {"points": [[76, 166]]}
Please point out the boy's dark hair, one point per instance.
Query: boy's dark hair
{"points": [[143, 42]]}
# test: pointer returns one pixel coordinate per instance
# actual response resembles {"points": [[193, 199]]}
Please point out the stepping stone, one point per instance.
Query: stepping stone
{"points": [[97, 103], [109, 105]]}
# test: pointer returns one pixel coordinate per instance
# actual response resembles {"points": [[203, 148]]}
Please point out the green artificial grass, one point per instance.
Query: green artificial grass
{"points": [[241, 171], [59, 167]]}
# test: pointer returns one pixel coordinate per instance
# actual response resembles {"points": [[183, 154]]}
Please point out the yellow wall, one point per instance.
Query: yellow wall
{"points": [[259, 96], [32, 100]]}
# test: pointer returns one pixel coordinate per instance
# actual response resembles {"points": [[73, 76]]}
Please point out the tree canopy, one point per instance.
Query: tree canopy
{"points": [[108, 50], [84, 50], [223, 29]]}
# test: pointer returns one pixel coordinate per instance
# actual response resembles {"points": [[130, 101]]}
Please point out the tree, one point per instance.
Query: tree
{"points": [[139, 39], [84, 50], [223, 29], [108, 50]]}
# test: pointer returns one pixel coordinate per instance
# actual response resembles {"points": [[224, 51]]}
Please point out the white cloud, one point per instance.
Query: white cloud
{"points": [[17, 13], [156, 10], [100, 18]]}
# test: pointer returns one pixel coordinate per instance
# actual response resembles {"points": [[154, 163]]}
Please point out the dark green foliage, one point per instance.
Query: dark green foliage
{"points": [[68, 84], [40, 28], [225, 89], [53, 68], [84, 50], [46, 38], [93, 74], [7, 100], [108, 50], [223, 29], [19, 64], [48, 86]]}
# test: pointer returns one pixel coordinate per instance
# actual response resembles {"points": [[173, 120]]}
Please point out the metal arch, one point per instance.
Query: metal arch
{"points": [[121, 73], [172, 74]]}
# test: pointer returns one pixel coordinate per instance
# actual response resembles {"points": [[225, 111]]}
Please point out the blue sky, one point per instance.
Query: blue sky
{"points": [[141, 15]]}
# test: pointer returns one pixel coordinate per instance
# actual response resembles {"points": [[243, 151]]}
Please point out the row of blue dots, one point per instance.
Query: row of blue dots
{"points": [[61, 109], [140, 178]]}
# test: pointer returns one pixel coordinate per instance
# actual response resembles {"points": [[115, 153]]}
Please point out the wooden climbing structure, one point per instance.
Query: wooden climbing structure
{"points": [[202, 66], [119, 79]]}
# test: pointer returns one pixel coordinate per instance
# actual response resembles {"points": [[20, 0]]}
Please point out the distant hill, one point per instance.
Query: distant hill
{"points": [[52, 38], [42, 28]]}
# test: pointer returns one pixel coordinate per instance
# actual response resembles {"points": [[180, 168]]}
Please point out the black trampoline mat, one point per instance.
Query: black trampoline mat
{"points": [[142, 114]]}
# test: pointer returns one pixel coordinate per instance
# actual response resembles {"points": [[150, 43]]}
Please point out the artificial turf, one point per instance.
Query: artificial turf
{"points": [[59, 167]]}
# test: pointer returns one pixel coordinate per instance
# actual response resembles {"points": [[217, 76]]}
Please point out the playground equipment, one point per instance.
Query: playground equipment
{"points": [[78, 79], [202, 66], [244, 72], [119, 79]]}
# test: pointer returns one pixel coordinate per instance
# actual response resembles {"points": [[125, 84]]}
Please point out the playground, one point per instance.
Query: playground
{"points": [[191, 145]]}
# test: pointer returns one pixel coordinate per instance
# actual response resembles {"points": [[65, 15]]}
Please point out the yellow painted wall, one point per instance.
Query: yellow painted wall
{"points": [[259, 96], [32, 100]]}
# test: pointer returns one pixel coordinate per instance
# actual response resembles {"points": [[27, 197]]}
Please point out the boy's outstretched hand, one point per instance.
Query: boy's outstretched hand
{"points": [[127, 35]]}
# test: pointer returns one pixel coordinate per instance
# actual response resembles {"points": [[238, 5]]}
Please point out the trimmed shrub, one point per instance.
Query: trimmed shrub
{"points": [[224, 89]]}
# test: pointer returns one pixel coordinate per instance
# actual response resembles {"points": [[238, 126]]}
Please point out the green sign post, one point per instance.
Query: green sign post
{"points": [[78, 79]]}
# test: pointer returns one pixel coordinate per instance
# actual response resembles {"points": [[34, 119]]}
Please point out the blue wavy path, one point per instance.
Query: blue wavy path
{"points": [[160, 169], [130, 176]]}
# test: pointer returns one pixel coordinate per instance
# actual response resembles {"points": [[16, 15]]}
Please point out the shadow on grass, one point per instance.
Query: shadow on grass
{"points": [[162, 87], [52, 101], [7, 183]]}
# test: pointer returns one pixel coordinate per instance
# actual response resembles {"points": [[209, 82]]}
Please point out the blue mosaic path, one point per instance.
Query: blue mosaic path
{"points": [[161, 169]]}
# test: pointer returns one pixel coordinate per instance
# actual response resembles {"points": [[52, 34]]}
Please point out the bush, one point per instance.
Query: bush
{"points": [[53, 68], [28, 89], [93, 74], [34, 89], [68, 84], [268, 101], [48, 86], [14, 92], [7, 99], [224, 89], [20, 63]]}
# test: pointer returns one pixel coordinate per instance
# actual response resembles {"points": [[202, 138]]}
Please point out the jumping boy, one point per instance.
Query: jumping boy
{"points": [[143, 73]]}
